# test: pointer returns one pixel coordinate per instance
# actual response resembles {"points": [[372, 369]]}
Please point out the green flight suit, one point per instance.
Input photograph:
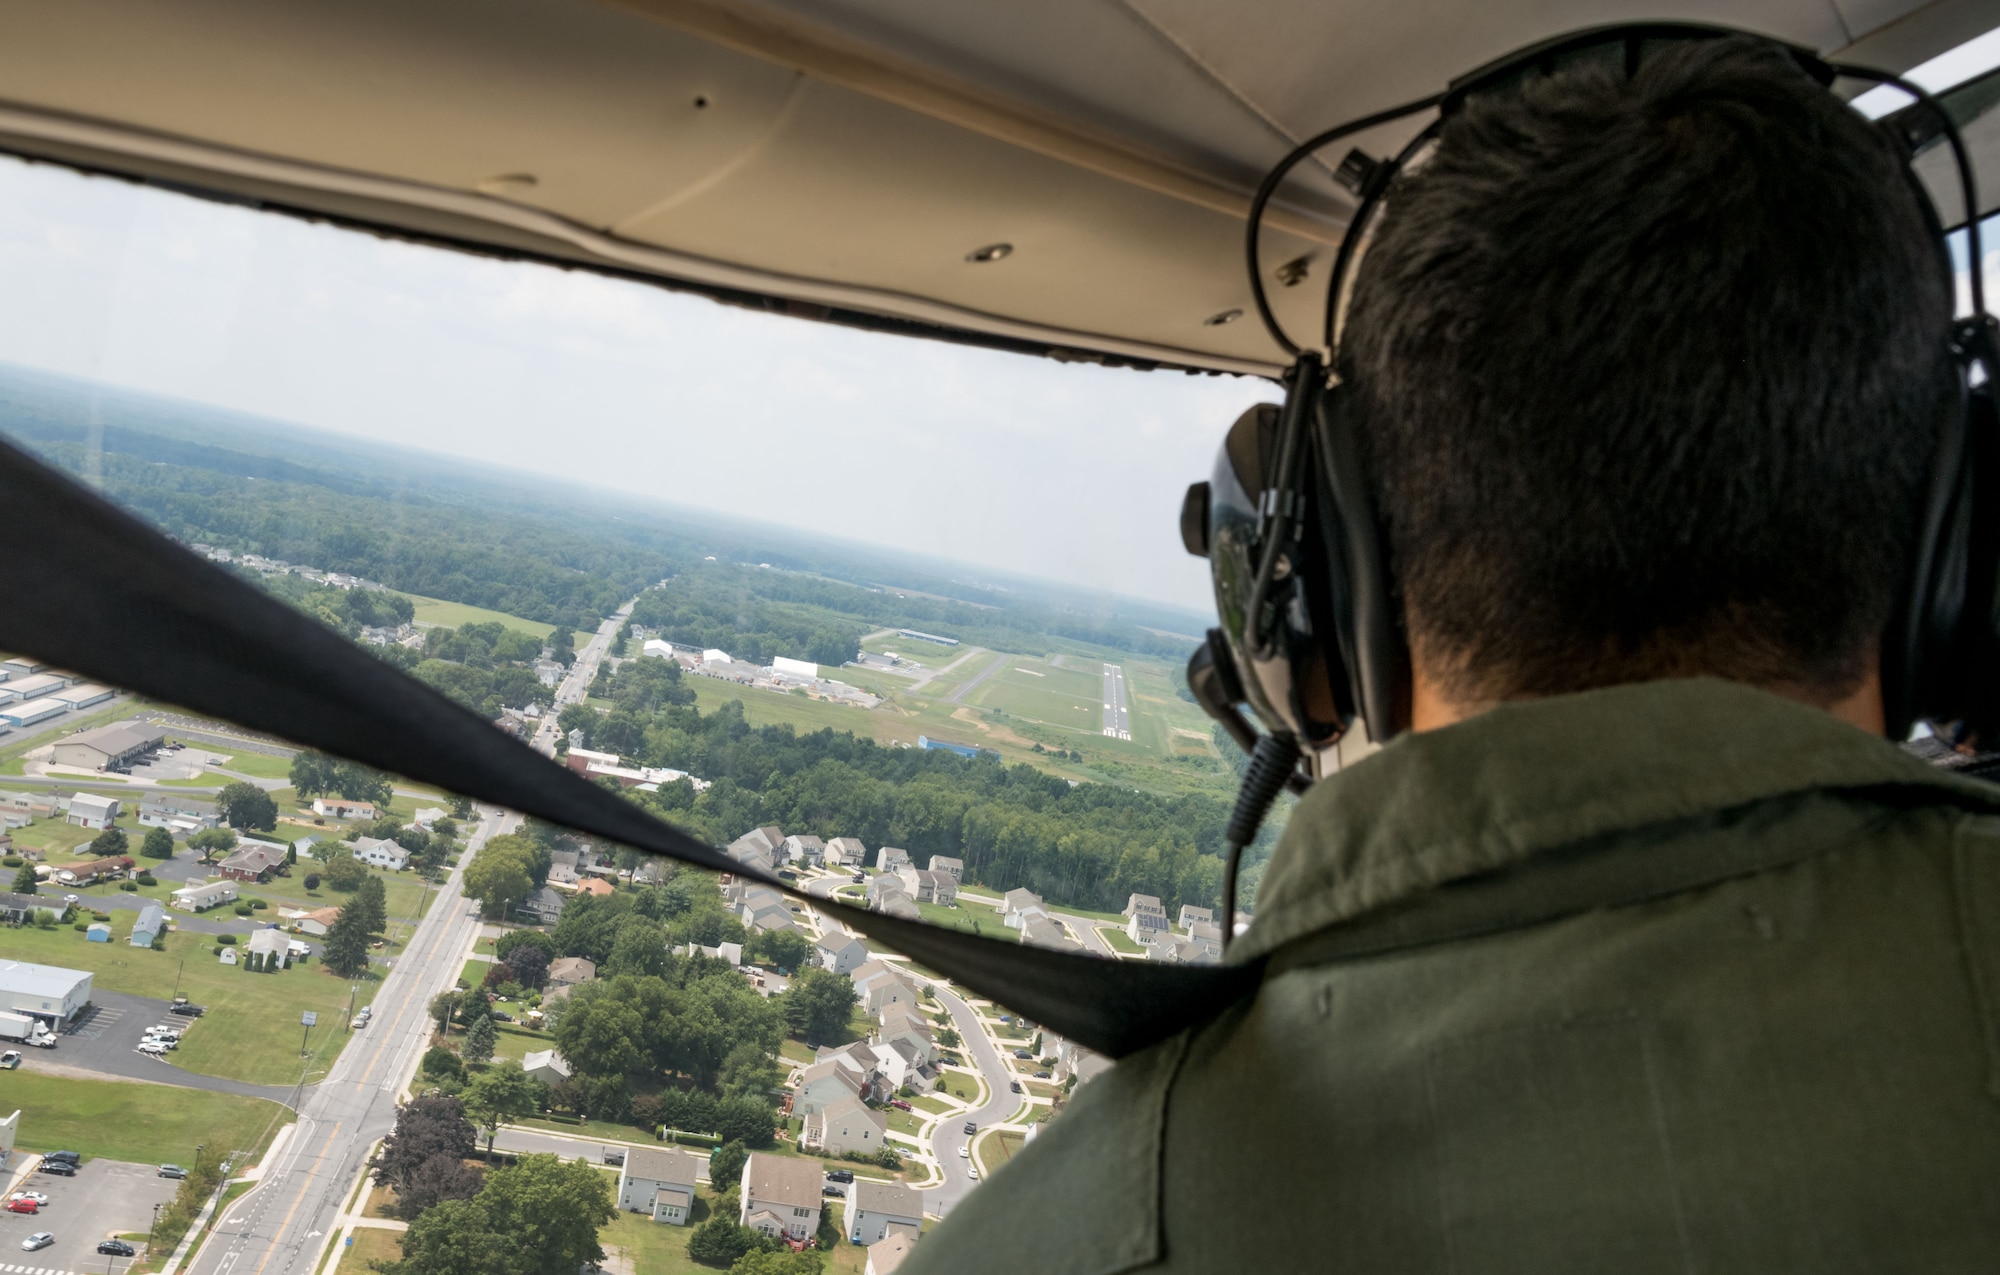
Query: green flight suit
{"points": [[1676, 976]]}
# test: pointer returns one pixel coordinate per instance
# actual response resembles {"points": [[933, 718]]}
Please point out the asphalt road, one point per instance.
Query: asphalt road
{"points": [[958, 696], [1117, 708], [280, 1227], [575, 686], [1000, 1104]]}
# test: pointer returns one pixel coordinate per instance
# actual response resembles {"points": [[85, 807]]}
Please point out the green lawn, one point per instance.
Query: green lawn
{"points": [[251, 1031], [795, 1051], [925, 1102], [262, 765], [144, 1124], [656, 1248], [1119, 942], [372, 1244], [590, 1129], [453, 614]]}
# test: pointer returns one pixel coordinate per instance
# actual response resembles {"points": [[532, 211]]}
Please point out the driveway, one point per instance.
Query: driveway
{"points": [[104, 1042], [105, 1198]]}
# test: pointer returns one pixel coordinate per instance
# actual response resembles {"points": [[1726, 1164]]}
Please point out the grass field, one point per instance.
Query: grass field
{"points": [[372, 1244], [251, 1031], [453, 614], [143, 1124], [654, 1247]]}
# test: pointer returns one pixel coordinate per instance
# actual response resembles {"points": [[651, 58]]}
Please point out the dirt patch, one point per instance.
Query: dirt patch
{"points": [[1000, 734]]}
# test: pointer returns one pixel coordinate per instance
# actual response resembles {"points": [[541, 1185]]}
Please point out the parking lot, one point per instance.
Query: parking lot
{"points": [[106, 1039], [105, 1198]]}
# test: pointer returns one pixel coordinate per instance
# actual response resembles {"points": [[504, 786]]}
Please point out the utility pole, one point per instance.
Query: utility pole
{"points": [[154, 1227], [177, 976], [352, 990]]}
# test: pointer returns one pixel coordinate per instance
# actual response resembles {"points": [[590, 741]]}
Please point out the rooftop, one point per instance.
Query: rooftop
{"points": [[119, 738], [786, 1180], [29, 979], [888, 1197], [662, 1164]]}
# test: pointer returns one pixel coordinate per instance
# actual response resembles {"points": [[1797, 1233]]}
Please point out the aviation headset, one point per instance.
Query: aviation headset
{"points": [[1311, 638]]}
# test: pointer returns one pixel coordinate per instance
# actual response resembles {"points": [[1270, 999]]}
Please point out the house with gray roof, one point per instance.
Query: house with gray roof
{"points": [[152, 923], [659, 1181], [877, 1210]]}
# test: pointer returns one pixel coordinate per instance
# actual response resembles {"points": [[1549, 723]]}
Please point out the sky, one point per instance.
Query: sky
{"points": [[1070, 473]]}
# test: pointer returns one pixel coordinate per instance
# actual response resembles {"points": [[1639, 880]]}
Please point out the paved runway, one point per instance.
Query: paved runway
{"points": [[1117, 708]]}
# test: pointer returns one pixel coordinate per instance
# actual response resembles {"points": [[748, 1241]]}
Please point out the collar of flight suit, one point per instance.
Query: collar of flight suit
{"points": [[1505, 789]]}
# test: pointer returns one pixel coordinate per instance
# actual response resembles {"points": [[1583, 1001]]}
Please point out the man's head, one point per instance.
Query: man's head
{"points": [[1652, 369]]}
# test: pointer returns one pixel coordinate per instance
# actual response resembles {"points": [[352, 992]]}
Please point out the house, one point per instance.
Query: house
{"points": [[112, 747], [343, 808], [846, 852], [98, 932], [781, 1196], [1016, 902], [425, 816], [1192, 916], [89, 810], [1142, 903], [182, 816], [543, 907], [841, 952], [807, 850], [1043, 930], [877, 1210], [928, 887], [896, 903], [825, 1083], [846, 1125], [660, 1181], [1147, 925], [889, 858], [857, 1059], [907, 1025], [272, 945], [884, 1256], [151, 924], [545, 1065], [23, 908], [92, 871], [569, 971], [562, 876], [253, 861], [48, 992], [947, 864], [196, 897], [884, 993], [316, 922], [381, 854], [595, 886]]}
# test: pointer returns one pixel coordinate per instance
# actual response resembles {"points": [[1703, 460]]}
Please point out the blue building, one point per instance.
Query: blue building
{"points": [[963, 750], [151, 924]]}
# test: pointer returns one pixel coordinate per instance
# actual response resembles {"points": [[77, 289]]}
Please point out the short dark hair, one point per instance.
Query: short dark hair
{"points": [[1652, 370]]}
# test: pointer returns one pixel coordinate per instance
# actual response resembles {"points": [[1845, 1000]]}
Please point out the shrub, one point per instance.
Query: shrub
{"points": [[243, 909], [258, 904], [312, 880], [100, 916], [130, 887], [80, 927], [13, 860], [227, 940], [147, 878]]}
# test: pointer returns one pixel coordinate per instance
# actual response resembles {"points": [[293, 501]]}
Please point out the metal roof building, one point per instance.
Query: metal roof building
{"points": [[48, 992]]}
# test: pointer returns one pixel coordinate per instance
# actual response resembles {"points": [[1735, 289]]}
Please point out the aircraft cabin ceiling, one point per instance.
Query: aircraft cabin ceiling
{"points": [[847, 159]]}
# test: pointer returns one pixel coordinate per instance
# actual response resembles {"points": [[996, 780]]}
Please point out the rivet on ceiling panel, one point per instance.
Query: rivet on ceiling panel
{"points": [[1218, 320], [991, 252]]}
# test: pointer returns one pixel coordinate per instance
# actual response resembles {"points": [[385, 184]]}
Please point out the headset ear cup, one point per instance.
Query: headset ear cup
{"points": [[1372, 646]]}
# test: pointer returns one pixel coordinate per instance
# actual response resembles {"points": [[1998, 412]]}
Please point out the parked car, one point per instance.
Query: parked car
{"points": [[971, 1128], [40, 1239], [360, 1020], [172, 1171], [116, 1248], [899, 1104], [502, 1016], [60, 1168], [840, 1175], [860, 878], [833, 1189], [972, 1171], [614, 1155], [21, 1204], [1014, 1086], [10, 1060], [67, 1157], [965, 1153], [1023, 1054], [188, 1011], [36, 1196], [1041, 1075], [153, 1047]]}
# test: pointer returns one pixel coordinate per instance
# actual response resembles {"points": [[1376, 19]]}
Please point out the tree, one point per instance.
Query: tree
{"points": [[721, 1242], [323, 849], [786, 949], [818, 1005], [245, 805], [503, 947], [948, 1038], [372, 901], [498, 875], [346, 949], [427, 1126], [109, 842], [480, 1037], [441, 1064], [461, 807], [457, 1237], [770, 1262], [528, 964], [553, 1209], [499, 1096], [345, 872], [158, 844], [25, 880], [312, 880], [211, 842], [725, 1165], [442, 1007], [312, 773], [748, 1071]]}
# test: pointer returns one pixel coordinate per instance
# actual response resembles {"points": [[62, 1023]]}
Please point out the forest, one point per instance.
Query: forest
{"points": [[1087, 845]]}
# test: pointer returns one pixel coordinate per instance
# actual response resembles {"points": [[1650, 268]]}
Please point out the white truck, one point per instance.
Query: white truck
{"points": [[21, 1027]]}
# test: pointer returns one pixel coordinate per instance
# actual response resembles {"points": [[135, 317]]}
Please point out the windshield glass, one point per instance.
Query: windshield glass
{"points": [[901, 621]]}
